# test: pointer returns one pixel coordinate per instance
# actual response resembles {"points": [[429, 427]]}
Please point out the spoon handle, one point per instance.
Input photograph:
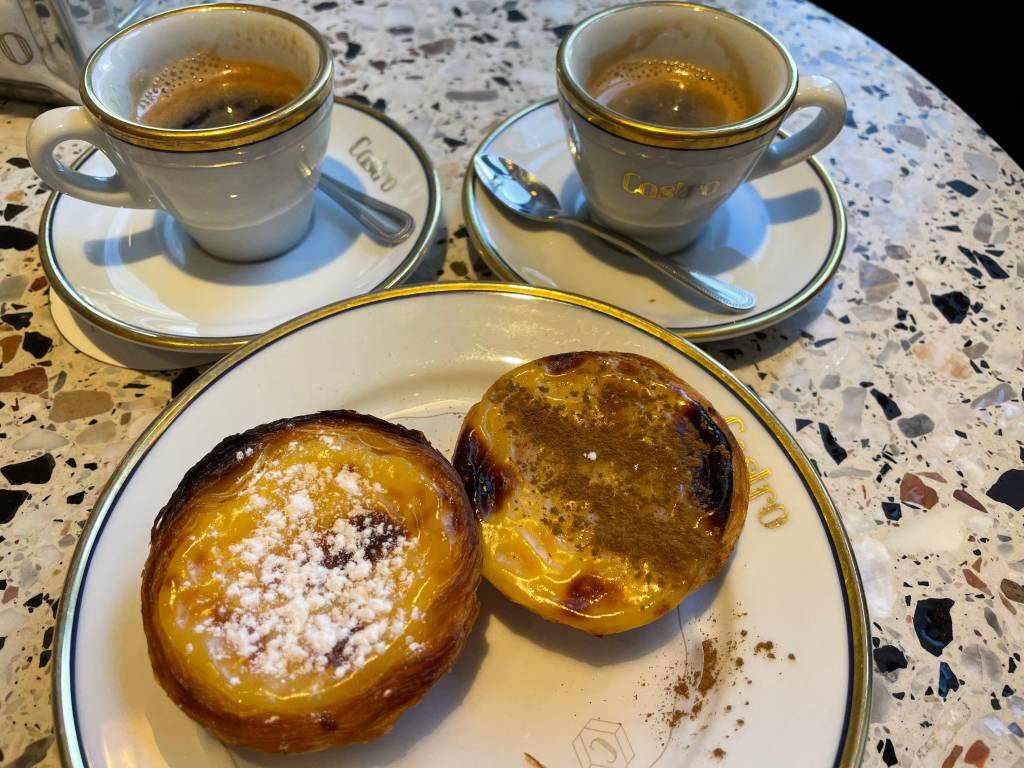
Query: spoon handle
{"points": [[725, 295], [385, 223]]}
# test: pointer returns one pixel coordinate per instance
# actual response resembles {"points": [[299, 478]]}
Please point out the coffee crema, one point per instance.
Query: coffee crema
{"points": [[673, 93], [203, 90]]}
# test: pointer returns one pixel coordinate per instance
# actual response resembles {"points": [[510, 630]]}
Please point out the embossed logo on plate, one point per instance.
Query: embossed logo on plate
{"points": [[603, 744]]}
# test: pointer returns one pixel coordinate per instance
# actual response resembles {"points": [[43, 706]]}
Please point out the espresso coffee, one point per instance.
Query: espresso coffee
{"points": [[204, 90], [676, 94]]}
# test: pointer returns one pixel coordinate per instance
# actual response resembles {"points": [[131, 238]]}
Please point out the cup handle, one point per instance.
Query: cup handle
{"points": [[813, 91], [74, 124]]}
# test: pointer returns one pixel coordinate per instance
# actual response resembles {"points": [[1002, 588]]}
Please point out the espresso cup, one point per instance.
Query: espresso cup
{"points": [[660, 183], [243, 191]]}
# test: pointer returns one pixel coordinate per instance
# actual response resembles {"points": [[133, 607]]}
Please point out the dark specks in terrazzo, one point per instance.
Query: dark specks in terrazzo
{"points": [[954, 305], [1009, 489], [36, 471], [17, 320], [36, 344], [17, 238], [933, 624], [887, 404], [11, 210], [10, 502], [828, 440], [947, 680], [888, 752], [378, 104], [889, 658], [892, 510], [965, 189], [991, 266], [18, 162]]}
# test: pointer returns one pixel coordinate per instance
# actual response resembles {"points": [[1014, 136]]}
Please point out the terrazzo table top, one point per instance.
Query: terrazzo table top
{"points": [[902, 382]]}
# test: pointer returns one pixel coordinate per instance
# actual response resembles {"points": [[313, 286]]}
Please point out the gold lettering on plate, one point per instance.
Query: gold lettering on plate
{"points": [[362, 151], [633, 183], [770, 513]]}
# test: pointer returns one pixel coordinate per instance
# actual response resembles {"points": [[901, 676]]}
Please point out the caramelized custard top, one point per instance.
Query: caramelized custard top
{"points": [[603, 486]]}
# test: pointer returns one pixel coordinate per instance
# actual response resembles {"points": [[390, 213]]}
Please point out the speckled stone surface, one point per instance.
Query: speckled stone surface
{"points": [[903, 381]]}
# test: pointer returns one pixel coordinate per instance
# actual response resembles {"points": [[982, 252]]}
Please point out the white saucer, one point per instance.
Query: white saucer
{"points": [[109, 349], [137, 275], [781, 237]]}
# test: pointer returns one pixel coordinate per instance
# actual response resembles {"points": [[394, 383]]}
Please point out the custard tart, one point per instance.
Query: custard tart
{"points": [[309, 580], [606, 487]]}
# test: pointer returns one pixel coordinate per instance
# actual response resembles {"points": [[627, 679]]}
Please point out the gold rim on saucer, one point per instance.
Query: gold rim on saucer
{"points": [[220, 344], [209, 139], [855, 727], [725, 330], [764, 122]]}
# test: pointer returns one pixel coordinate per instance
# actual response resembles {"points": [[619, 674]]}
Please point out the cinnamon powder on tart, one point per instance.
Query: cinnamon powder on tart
{"points": [[621, 509], [607, 488]]}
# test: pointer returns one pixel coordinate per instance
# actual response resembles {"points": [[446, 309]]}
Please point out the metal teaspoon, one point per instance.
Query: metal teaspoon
{"points": [[385, 223], [516, 188]]}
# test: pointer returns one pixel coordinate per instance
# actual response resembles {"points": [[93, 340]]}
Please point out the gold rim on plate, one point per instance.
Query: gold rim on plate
{"points": [[725, 330], [218, 344], [855, 728]]}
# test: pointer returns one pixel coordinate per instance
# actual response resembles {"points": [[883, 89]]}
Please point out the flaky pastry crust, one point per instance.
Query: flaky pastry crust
{"points": [[210, 541]]}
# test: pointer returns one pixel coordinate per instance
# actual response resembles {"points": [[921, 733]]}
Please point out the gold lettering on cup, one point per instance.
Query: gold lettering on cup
{"points": [[770, 513], [633, 183], [377, 169]]}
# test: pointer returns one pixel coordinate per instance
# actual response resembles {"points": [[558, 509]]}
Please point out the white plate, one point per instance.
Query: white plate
{"points": [[781, 237], [420, 356], [136, 274]]}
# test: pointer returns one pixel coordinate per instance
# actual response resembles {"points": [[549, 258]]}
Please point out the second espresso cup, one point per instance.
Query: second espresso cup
{"points": [[243, 190], [655, 164]]}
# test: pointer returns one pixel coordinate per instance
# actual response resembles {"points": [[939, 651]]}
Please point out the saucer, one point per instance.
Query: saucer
{"points": [[781, 237], [137, 275], [109, 349]]}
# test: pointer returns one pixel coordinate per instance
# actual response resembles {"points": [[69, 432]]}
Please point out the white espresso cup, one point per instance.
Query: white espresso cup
{"points": [[244, 191], [657, 183]]}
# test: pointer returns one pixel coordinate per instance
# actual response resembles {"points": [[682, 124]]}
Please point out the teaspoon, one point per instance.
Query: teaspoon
{"points": [[518, 189], [384, 222]]}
